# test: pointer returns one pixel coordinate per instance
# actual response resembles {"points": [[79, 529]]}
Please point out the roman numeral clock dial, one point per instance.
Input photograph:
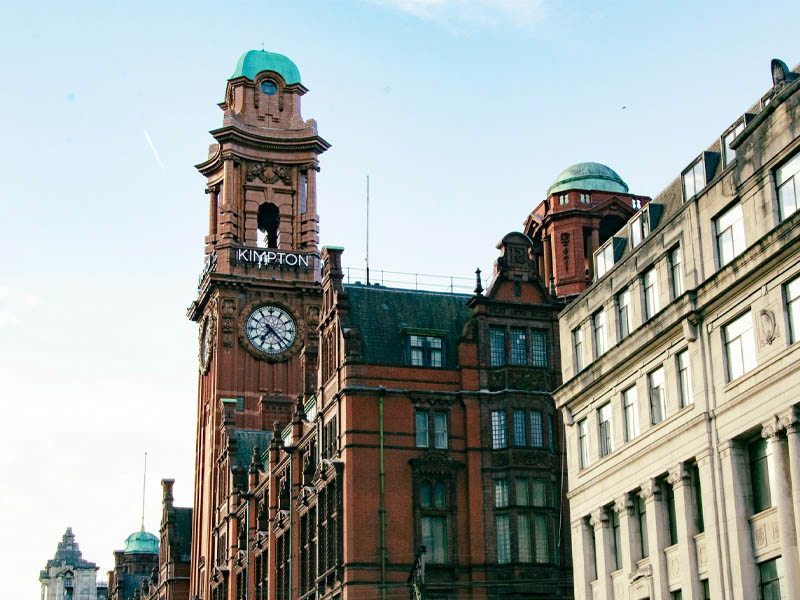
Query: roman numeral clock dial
{"points": [[270, 329]]}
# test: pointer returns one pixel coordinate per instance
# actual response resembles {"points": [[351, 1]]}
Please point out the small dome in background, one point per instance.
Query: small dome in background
{"points": [[590, 176], [251, 63], [141, 542]]}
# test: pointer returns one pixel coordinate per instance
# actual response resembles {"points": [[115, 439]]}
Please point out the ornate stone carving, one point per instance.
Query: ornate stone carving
{"points": [[650, 490], [769, 328], [678, 475], [206, 337], [770, 429], [623, 505], [227, 310], [565, 244], [599, 518], [790, 421], [269, 172]]}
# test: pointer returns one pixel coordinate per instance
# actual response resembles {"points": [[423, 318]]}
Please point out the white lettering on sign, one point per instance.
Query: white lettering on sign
{"points": [[270, 258]]}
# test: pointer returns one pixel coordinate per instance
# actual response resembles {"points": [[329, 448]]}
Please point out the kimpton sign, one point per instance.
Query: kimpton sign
{"points": [[269, 257]]}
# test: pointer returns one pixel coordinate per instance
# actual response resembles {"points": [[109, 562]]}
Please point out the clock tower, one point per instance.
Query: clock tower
{"points": [[259, 294]]}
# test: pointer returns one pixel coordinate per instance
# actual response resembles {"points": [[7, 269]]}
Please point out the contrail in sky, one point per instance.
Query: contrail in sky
{"points": [[153, 148]]}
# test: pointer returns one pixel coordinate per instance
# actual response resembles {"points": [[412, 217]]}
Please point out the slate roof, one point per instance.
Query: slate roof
{"points": [[246, 439], [183, 531], [383, 316]]}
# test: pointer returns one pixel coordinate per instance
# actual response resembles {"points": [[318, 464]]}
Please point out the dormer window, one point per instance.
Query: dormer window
{"points": [[586, 199], [268, 87], [425, 351], [640, 228], [694, 179], [563, 199], [604, 259], [729, 154], [636, 203]]}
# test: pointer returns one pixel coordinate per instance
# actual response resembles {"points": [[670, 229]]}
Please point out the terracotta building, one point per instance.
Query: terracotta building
{"points": [[681, 365], [133, 566], [358, 441]]}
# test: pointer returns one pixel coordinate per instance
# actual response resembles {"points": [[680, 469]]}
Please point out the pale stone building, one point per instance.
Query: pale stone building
{"points": [[681, 376], [67, 576]]}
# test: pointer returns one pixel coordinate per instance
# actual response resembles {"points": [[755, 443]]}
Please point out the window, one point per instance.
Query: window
{"points": [[519, 427], [624, 313], [539, 497], [658, 396], [521, 491], [539, 348], [426, 351], [540, 538], [636, 203], [577, 344], [498, 429], [604, 429], [684, 378], [583, 445], [434, 538], [694, 179], [605, 259], [740, 349], [770, 576], [586, 199], [616, 539], [792, 293], [730, 153], [503, 539], [422, 426], [501, 493], [599, 327], [421, 423], [440, 430], [787, 179], [536, 428], [669, 494], [729, 229], [640, 513], [650, 283], [675, 270], [497, 347], [694, 477], [630, 406], [563, 199], [640, 228], [519, 347], [551, 424], [760, 467], [524, 537], [706, 589]]}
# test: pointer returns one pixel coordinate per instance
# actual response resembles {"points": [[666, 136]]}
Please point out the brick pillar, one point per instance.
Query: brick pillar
{"points": [[656, 534], [582, 559], [602, 540], [685, 521], [790, 422], [737, 496], [548, 261], [594, 244], [783, 499]]}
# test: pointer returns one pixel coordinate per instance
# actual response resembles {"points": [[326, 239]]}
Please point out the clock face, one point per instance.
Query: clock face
{"points": [[270, 329]]}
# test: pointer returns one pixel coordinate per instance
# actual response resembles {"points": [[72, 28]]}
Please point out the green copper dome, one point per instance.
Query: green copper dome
{"points": [[253, 62], [141, 542], [590, 176]]}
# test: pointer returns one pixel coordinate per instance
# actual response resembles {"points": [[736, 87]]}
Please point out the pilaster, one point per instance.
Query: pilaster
{"points": [[789, 421], [602, 540], [737, 495], [582, 559], [685, 523], [783, 501], [656, 533]]}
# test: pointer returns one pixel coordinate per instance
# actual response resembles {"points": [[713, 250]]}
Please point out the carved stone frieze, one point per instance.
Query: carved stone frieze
{"points": [[269, 172]]}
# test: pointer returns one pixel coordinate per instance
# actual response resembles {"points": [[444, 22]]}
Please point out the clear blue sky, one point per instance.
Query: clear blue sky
{"points": [[461, 112]]}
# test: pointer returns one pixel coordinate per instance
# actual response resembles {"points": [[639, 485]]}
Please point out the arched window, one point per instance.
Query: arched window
{"points": [[268, 220], [425, 494], [438, 495]]}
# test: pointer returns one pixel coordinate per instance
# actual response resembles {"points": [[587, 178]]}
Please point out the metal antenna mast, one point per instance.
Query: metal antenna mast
{"points": [[367, 259], [144, 487]]}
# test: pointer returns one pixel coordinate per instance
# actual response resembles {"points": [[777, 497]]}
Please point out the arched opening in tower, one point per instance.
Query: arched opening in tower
{"points": [[268, 221]]}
